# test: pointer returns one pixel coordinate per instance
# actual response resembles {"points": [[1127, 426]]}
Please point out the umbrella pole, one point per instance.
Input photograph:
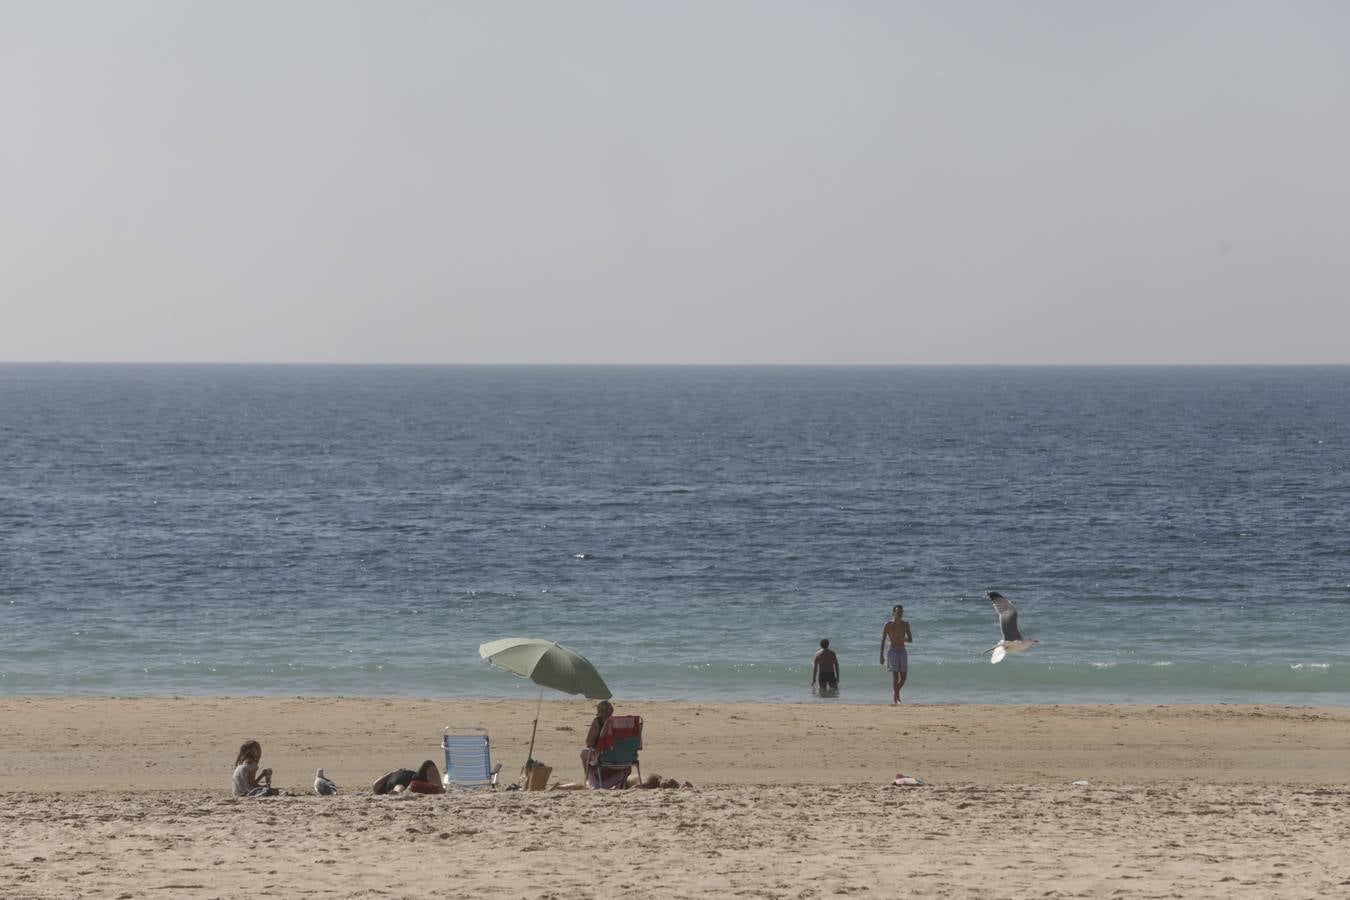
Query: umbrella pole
{"points": [[529, 758]]}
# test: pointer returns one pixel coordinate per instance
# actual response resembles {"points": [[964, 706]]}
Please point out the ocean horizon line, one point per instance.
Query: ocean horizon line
{"points": [[623, 701], [671, 365]]}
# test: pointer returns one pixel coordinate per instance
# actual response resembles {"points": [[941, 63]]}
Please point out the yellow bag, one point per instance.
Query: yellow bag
{"points": [[536, 776]]}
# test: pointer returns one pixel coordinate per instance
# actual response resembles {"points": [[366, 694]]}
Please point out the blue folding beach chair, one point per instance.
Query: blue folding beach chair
{"points": [[468, 762]]}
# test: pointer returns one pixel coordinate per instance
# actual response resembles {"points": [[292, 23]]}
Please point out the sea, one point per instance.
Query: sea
{"points": [[1169, 534]]}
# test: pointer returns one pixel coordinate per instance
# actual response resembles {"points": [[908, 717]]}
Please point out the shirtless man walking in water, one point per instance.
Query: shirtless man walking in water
{"points": [[897, 660]]}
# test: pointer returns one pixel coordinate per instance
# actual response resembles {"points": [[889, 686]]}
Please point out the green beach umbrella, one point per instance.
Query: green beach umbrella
{"points": [[547, 664]]}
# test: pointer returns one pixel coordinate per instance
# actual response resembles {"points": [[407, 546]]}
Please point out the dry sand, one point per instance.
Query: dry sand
{"points": [[129, 798]]}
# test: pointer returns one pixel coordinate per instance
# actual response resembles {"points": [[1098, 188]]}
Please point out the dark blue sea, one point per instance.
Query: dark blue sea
{"points": [[1169, 534]]}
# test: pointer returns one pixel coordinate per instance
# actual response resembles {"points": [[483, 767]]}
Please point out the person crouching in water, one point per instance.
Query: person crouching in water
{"points": [[825, 669]]}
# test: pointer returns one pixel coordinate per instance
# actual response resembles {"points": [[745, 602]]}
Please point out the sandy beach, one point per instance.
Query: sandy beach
{"points": [[129, 798]]}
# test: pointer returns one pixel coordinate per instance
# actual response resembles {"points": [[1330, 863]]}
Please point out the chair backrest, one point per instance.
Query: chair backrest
{"points": [[468, 761], [620, 740]]}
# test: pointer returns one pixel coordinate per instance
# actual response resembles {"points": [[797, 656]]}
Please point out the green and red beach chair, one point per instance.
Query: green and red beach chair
{"points": [[618, 745]]}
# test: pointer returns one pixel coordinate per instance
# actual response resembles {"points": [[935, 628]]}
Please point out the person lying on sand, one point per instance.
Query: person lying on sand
{"points": [[426, 780], [248, 780], [651, 781]]}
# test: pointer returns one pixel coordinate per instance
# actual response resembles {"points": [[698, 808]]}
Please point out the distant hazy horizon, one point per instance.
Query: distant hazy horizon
{"points": [[207, 363], [703, 183]]}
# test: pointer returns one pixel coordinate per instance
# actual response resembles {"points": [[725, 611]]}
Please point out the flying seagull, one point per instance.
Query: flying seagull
{"points": [[322, 785], [1012, 642]]}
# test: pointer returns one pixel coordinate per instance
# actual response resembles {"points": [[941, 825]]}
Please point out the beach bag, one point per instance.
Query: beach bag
{"points": [[537, 775]]}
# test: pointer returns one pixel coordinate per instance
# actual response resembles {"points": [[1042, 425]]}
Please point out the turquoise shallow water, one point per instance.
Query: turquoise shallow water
{"points": [[1171, 535]]}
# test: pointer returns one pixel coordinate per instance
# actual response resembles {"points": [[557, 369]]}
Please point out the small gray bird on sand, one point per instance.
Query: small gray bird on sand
{"points": [[323, 785]]}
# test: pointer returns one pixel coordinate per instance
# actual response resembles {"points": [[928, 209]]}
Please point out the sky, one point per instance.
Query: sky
{"points": [[697, 182]]}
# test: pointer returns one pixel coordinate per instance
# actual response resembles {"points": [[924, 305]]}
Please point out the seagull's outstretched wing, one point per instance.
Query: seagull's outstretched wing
{"points": [[1007, 616]]}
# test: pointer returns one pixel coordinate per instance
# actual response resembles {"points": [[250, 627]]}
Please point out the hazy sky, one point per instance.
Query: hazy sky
{"points": [[700, 182]]}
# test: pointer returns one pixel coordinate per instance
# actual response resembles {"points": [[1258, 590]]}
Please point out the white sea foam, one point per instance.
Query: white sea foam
{"points": [[1318, 666]]}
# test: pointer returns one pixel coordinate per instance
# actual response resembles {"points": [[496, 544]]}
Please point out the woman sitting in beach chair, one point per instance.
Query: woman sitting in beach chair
{"points": [[590, 755], [611, 755], [612, 743]]}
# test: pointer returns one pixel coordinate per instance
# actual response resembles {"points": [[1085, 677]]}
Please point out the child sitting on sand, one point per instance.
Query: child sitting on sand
{"points": [[248, 781]]}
